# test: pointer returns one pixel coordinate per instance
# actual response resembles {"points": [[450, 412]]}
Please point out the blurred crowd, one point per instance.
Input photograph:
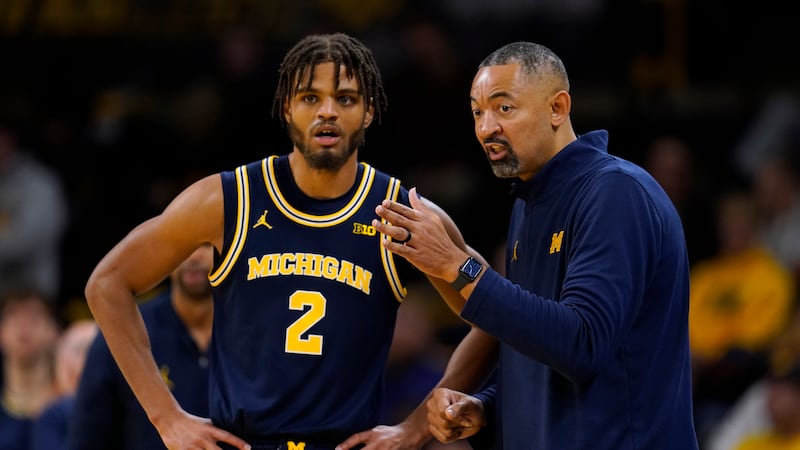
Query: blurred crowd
{"points": [[105, 116]]}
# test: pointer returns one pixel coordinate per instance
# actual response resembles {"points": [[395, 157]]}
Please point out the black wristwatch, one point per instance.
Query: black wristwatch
{"points": [[467, 273]]}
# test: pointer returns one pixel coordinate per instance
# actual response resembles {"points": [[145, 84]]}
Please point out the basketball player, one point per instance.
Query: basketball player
{"points": [[305, 295]]}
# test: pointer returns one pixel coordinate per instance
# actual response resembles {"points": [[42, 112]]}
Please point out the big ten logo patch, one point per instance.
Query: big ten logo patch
{"points": [[366, 230]]}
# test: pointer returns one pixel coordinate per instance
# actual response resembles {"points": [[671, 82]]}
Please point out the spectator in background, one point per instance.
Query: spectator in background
{"points": [[747, 415], [783, 409], [106, 414], [28, 335], [766, 416], [740, 300], [669, 159], [33, 218], [50, 428], [777, 186]]}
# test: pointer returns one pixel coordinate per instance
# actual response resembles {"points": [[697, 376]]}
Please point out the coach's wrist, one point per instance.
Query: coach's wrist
{"points": [[468, 272]]}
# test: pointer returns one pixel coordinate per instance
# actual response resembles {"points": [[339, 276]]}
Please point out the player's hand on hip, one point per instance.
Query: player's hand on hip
{"points": [[419, 235], [193, 432], [453, 415]]}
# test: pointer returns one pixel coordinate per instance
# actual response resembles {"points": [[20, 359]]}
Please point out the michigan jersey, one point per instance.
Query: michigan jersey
{"points": [[305, 305]]}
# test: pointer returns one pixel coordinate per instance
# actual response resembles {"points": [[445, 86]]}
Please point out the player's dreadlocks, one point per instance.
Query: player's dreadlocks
{"points": [[339, 48]]}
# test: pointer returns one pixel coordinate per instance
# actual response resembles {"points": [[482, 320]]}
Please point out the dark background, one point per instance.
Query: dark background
{"points": [[131, 100]]}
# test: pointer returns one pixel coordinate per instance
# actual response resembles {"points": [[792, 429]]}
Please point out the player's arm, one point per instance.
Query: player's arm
{"points": [[141, 260]]}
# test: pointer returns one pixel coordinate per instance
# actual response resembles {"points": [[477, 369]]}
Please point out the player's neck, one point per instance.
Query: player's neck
{"points": [[323, 184]]}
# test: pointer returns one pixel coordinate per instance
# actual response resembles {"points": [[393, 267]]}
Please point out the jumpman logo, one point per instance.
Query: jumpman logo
{"points": [[263, 220]]}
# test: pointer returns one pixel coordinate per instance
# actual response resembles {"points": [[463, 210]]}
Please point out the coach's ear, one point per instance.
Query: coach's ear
{"points": [[560, 105]]}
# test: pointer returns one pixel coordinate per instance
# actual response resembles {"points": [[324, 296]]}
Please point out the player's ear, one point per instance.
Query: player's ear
{"points": [[287, 111], [370, 113]]}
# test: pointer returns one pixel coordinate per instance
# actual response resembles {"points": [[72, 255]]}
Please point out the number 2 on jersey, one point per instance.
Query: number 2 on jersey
{"points": [[295, 341]]}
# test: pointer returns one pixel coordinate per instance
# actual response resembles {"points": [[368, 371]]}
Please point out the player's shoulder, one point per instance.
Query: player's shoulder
{"points": [[202, 190], [390, 179]]}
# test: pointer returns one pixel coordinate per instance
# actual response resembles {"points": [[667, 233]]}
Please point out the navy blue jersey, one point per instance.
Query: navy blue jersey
{"points": [[15, 431], [106, 414], [594, 320], [305, 305], [50, 428]]}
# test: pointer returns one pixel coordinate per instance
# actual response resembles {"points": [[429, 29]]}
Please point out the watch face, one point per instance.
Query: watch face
{"points": [[472, 268]]}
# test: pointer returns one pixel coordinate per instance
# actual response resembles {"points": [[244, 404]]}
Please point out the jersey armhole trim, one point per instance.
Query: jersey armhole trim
{"points": [[242, 215]]}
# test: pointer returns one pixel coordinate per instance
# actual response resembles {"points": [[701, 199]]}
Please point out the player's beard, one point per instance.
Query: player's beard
{"points": [[329, 158]]}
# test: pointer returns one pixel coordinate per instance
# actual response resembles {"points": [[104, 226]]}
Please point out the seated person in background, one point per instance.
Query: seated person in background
{"points": [[781, 400], [740, 300], [777, 188], [33, 216], [747, 415], [28, 334], [178, 320], [671, 162], [50, 428]]}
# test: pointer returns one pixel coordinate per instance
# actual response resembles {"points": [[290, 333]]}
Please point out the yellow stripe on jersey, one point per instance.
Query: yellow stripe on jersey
{"points": [[388, 257], [311, 220], [242, 216]]}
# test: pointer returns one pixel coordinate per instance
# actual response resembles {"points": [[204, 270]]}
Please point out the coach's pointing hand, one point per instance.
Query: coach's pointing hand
{"points": [[430, 248]]}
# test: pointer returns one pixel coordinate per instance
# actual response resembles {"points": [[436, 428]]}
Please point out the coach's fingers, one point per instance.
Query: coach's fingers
{"points": [[444, 431], [387, 210], [452, 423], [439, 423], [399, 234], [445, 435], [459, 413], [416, 200]]}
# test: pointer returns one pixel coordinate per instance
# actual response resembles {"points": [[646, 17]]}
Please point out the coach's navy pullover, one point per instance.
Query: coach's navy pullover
{"points": [[593, 315]]}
